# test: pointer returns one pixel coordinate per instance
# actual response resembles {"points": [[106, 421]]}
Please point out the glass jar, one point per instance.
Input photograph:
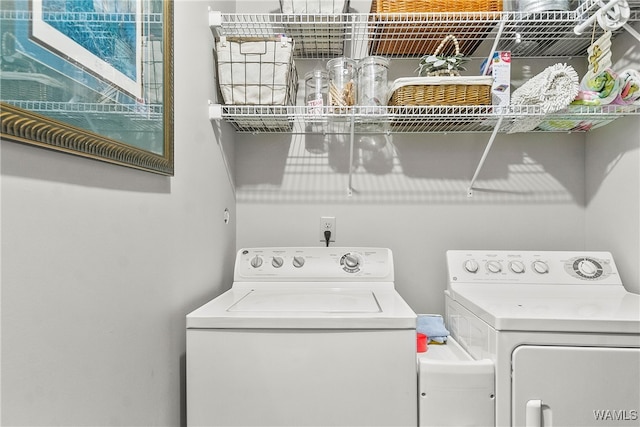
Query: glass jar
{"points": [[316, 88], [342, 83], [372, 81]]}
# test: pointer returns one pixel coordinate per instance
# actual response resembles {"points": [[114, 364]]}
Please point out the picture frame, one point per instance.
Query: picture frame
{"points": [[92, 78]]}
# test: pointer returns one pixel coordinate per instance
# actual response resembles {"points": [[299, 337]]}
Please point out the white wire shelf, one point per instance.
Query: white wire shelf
{"points": [[96, 116], [427, 119], [27, 15], [540, 34]]}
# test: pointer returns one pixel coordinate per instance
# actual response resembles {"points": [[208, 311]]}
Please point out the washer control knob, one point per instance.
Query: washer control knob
{"points": [[256, 261], [517, 267], [540, 267], [494, 266], [298, 261], [471, 266], [587, 268], [351, 261], [277, 261]]}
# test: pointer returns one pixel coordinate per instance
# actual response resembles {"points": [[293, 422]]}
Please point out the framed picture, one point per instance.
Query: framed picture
{"points": [[115, 55], [90, 77]]}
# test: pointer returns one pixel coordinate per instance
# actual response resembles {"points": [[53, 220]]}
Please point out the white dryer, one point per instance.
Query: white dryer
{"points": [[304, 337], [561, 329]]}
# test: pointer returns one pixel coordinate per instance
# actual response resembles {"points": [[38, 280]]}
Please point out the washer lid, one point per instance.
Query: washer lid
{"points": [[305, 308], [591, 309], [334, 300]]}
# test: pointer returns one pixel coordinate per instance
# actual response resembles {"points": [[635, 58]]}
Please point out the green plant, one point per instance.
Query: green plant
{"points": [[433, 65], [441, 65]]}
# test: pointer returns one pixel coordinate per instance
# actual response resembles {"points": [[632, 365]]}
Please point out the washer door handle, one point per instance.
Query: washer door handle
{"points": [[533, 413]]}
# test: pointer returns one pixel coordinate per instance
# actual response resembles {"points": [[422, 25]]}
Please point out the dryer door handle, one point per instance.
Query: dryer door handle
{"points": [[533, 413]]}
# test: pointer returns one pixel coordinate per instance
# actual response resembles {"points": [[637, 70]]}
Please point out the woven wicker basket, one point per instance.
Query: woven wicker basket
{"points": [[446, 90], [421, 6], [394, 35]]}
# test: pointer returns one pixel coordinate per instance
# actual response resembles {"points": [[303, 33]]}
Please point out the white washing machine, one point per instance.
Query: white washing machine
{"points": [[561, 329], [304, 337]]}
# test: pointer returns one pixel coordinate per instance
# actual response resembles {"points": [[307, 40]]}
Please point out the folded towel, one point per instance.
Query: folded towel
{"points": [[553, 89], [587, 97], [605, 84], [432, 325], [628, 88], [566, 125]]}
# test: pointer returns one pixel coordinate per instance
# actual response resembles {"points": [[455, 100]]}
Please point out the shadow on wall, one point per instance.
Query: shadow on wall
{"points": [[47, 165], [604, 153], [410, 168]]}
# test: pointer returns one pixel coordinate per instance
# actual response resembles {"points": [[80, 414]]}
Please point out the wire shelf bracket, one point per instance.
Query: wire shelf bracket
{"points": [[215, 21], [484, 156]]}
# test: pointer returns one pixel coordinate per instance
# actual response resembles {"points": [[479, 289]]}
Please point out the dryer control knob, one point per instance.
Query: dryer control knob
{"points": [[517, 267], [494, 266], [277, 261], [298, 261], [471, 266], [256, 261], [540, 267], [587, 268]]}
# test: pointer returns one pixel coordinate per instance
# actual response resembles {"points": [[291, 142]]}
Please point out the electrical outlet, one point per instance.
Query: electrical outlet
{"points": [[328, 223]]}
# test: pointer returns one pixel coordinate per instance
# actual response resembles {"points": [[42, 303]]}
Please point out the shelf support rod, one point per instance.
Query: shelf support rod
{"points": [[632, 31], [215, 115], [579, 29], [494, 46], [351, 155], [484, 156]]}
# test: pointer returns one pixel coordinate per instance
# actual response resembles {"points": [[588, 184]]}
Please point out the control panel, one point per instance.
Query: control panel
{"points": [[551, 267], [314, 264]]}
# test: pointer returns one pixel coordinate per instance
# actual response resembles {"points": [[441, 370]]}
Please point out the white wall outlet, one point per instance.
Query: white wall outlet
{"points": [[328, 223]]}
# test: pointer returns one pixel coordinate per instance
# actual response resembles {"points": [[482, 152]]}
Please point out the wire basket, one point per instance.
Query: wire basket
{"points": [[325, 38], [400, 35], [257, 71]]}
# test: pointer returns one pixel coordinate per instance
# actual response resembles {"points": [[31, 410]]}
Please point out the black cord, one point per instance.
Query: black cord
{"points": [[327, 237]]}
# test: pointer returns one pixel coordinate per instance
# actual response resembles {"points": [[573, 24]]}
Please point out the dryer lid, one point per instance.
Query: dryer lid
{"points": [[589, 309]]}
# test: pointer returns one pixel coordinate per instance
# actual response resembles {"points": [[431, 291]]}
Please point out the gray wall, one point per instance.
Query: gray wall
{"points": [[100, 265], [530, 195]]}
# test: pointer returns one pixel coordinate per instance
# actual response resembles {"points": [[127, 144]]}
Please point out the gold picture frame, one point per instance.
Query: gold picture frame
{"points": [[90, 82]]}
